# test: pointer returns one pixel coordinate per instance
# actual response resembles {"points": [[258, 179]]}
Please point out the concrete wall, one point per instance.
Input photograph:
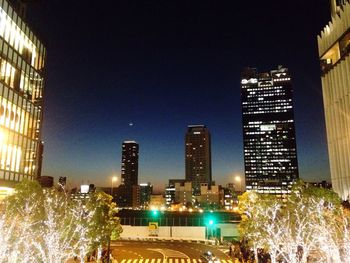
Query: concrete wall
{"points": [[194, 232], [188, 232], [228, 230]]}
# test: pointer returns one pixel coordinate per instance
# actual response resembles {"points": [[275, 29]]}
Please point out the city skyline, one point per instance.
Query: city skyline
{"points": [[142, 72]]}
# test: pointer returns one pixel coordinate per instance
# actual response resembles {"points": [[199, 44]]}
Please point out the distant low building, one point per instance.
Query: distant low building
{"points": [[157, 202], [145, 194], [229, 198], [170, 191], [210, 195], [46, 181], [62, 181], [184, 193], [322, 184]]}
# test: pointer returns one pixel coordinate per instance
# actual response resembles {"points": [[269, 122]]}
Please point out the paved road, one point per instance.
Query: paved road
{"points": [[164, 252]]}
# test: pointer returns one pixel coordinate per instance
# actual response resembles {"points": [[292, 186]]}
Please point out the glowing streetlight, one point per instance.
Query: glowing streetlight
{"points": [[114, 180], [239, 180]]}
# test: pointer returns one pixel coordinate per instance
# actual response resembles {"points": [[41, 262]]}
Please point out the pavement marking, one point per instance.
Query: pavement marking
{"points": [[147, 260], [141, 260], [129, 261], [152, 261], [188, 260], [159, 260], [135, 260], [122, 261], [194, 261], [182, 260]]}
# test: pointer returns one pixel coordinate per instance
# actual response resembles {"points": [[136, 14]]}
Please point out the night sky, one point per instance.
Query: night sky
{"points": [[162, 65]]}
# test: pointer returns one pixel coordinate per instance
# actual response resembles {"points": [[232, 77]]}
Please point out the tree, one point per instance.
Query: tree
{"points": [[310, 222], [49, 226]]}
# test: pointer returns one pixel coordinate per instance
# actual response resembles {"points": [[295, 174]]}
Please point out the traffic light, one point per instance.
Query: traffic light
{"points": [[210, 221], [154, 212]]}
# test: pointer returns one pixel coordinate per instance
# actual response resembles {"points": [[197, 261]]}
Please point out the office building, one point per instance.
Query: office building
{"points": [[334, 49], [198, 156], [146, 190], [210, 195], [170, 191], [22, 67], [270, 156], [183, 193], [129, 171]]}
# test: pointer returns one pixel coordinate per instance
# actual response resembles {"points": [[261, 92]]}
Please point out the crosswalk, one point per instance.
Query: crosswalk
{"points": [[169, 260]]}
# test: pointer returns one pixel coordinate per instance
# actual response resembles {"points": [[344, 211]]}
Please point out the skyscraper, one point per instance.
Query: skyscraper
{"points": [[270, 156], [334, 49], [198, 156], [22, 62], [129, 170]]}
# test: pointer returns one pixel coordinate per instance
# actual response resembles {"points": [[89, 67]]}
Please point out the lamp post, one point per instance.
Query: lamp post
{"points": [[239, 179], [114, 179]]}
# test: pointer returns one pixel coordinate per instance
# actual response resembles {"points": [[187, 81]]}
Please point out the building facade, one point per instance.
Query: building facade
{"points": [[129, 171], [210, 195], [198, 156], [270, 156], [22, 66], [146, 190], [334, 49]]}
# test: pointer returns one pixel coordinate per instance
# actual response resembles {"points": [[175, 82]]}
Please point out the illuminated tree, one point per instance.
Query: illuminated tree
{"points": [[49, 226], [309, 223]]}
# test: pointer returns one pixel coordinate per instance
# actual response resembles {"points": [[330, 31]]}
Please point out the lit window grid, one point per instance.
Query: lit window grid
{"points": [[19, 36], [263, 150], [18, 74], [20, 109]]}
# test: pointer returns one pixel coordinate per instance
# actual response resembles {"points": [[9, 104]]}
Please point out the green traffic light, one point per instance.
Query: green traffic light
{"points": [[211, 222], [154, 212]]}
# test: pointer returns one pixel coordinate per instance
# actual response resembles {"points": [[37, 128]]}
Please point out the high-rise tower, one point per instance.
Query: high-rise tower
{"points": [[129, 171], [334, 50], [22, 62], [198, 156], [270, 156]]}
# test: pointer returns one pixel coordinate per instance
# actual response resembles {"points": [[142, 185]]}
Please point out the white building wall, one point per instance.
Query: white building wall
{"points": [[164, 231], [336, 96]]}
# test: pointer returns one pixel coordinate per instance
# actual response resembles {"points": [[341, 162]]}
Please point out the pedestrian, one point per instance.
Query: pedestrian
{"points": [[230, 253]]}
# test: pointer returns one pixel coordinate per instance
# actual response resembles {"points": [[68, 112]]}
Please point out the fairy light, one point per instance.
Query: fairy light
{"points": [[313, 230]]}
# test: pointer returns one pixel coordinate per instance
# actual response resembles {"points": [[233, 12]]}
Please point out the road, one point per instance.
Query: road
{"points": [[164, 251]]}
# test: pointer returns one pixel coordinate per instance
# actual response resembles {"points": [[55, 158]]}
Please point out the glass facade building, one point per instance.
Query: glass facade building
{"points": [[270, 156], [198, 156], [22, 62], [334, 51]]}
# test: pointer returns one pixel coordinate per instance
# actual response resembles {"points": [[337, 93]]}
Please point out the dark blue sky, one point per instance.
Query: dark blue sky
{"points": [[163, 65]]}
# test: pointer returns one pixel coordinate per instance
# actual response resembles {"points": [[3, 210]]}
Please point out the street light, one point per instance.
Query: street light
{"points": [[114, 179], [238, 179]]}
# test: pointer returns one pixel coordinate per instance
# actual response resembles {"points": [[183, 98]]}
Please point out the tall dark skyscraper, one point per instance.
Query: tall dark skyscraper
{"points": [[270, 156], [198, 156], [129, 170], [22, 67]]}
